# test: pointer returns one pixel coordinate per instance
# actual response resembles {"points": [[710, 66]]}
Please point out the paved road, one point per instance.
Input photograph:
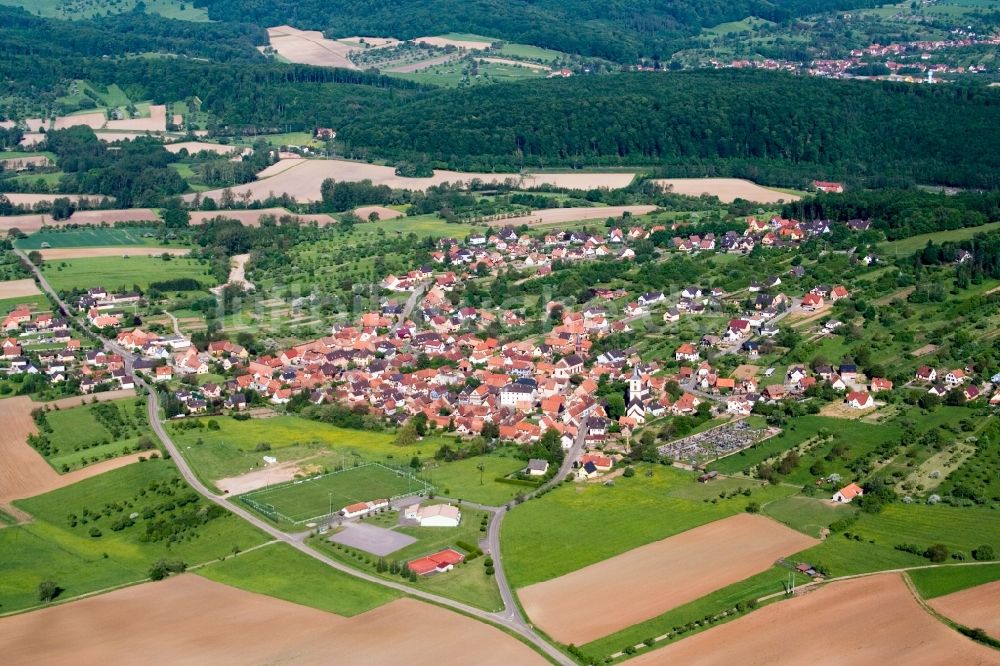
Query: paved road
{"points": [[510, 618], [411, 303]]}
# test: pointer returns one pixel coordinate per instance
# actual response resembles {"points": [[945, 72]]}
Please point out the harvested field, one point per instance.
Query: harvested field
{"points": [[28, 224], [125, 250], [194, 147], [18, 288], [25, 473], [251, 218], [871, 620], [562, 215], [310, 47], [645, 582], [188, 619], [31, 139], [445, 41], [727, 189], [382, 212], [156, 122], [19, 163], [109, 216], [95, 120], [302, 179], [36, 124], [975, 607]]}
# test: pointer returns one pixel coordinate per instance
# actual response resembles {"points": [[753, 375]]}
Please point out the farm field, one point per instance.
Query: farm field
{"points": [[543, 539], [117, 273], [235, 448], [280, 571], [310, 47], [383, 212], [547, 216], [19, 289], [55, 254], [650, 580], [975, 607], [303, 500], [91, 237], [942, 581], [252, 218], [782, 633], [195, 147], [726, 189], [69, 535], [302, 179], [156, 620]]}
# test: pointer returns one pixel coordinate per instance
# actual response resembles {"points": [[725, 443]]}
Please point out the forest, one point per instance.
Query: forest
{"points": [[818, 127], [618, 30]]}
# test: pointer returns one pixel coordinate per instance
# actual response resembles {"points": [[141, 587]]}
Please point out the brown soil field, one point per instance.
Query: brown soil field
{"points": [[194, 147], [18, 288], [29, 224], [36, 124], [251, 218], [548, 216], [865, 621], [95, 120], [16, 163], [310, 47], [746, 371], [444, 41], [302, 179], [382, 212], [190, 620], [25, 473], [156, 122], [122, 250], [727, 189], [31, 139], [976, 607], [648, 581]]}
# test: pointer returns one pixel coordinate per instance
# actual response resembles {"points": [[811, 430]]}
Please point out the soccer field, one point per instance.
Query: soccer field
{"points": [[300, 501]]}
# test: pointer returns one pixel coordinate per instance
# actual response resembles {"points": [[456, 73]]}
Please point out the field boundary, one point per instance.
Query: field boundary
{"points": [[271, 512]]}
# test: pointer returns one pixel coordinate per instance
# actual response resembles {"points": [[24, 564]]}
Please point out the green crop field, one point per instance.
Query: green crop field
{"points": [[937, 582], [582, 523], [118, 273], [278, 570], [37, 302], [92, 237], [168, 525], [302, 500]]}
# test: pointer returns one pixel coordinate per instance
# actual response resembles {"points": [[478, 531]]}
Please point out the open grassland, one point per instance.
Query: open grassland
{"points": [[281, 571], [810, 515], [648, 581], [75, 437], [83, 538], [942, 581], [467, 582], [36, 303], [463, 479], [189, 619], [239, 446], [302, 500], [91, 237], [975, 607], [117, 273], [870, 543], [549, 536], [907, 246], [874, 620]]}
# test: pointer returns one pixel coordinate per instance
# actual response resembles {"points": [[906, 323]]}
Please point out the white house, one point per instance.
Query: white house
{"points": [[848, 493], [437, 515]]}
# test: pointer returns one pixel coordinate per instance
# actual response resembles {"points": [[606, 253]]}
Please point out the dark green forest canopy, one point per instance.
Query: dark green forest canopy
{"points": [[939, 135], [620, 30]]}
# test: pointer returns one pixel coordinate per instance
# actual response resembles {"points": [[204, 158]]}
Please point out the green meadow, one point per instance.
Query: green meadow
{"points": [[119, 273]]}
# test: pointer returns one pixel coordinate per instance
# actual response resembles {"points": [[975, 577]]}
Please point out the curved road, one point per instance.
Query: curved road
{"points": [[510, 618]]}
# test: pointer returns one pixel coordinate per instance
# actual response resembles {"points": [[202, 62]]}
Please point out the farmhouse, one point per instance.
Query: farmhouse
{"points": [[859, 400], [437, 515], [440, 562], [848, 493]]}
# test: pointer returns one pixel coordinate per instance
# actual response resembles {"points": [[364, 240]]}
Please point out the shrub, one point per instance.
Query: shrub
{"points": [[753, 507], [984, 553], [937, 553], [48, 590]]}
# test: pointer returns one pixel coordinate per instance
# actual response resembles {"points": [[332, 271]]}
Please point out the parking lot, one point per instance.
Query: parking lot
{"points": [[371, 539]]}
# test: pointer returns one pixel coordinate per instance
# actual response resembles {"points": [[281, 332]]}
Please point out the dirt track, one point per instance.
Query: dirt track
{"points": [[645, 582], [191, 620], [872, 620], [18, 288], [727, 189], [976, 607], [24, 472], [130, 250]]}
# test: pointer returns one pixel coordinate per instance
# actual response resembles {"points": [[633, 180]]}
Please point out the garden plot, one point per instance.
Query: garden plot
{"points": [[645, 582]]}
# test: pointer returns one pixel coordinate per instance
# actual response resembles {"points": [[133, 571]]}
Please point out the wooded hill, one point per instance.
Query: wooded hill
{"points": [[620, 30]]}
